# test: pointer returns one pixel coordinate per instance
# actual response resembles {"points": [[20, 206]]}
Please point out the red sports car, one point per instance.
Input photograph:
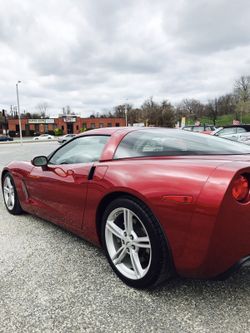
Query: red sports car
{"points": [[159, 201]]}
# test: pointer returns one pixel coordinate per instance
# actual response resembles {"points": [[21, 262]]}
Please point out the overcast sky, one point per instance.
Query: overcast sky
{"points": [[95, 54]]}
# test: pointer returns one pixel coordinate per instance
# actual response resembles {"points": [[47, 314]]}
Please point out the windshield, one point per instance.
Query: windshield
{"points": [[167, 142]]}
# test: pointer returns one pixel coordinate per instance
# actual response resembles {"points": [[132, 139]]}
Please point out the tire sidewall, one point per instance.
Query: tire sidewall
{"points": [[17, 207]]}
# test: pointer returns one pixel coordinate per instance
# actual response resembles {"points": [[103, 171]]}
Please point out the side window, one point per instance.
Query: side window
{"points": [[241, 130], [84, 149], [227, 131], [198, 128]]}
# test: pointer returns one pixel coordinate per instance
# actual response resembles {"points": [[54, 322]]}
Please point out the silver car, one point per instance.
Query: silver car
{"points": [[240, 133], [65, 138]]}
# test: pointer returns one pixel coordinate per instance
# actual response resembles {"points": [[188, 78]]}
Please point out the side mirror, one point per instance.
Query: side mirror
{"points": [[40, 161]]}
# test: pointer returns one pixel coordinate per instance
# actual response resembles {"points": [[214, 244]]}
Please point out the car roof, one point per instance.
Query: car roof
{"points": [[245, 126], [111, 130]]}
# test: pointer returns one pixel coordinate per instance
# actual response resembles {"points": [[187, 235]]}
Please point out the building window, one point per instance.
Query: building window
{"points": [[63, 128], [77, 127], [27, 129], [17, 128], [101, 125], [109, 124], [84, 125], [92, 125], [117, 124]]}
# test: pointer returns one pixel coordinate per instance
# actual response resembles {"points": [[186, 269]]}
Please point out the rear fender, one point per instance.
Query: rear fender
{"points": [[205, 254]]}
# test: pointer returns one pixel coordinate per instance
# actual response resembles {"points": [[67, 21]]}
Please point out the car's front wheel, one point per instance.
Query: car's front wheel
{"points": [[134, 244], [10, 195]]}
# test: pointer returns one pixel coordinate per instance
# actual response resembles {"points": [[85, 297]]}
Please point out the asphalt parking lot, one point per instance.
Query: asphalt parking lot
{"points": [[53, 281]]}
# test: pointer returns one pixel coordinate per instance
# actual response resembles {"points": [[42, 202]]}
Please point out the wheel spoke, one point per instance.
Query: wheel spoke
{"points": [[12, 198], [9, 182], [114, 229], [6, 190], [119, 255], [135, 261], [9, 201], [142, 242], [128, 220]]}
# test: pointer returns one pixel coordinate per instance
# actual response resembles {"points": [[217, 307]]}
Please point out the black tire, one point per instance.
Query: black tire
{"points": [[16, 209], [157, 269]]}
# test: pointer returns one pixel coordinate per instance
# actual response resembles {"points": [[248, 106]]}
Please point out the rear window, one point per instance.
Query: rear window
{"points": [[167, 142]]}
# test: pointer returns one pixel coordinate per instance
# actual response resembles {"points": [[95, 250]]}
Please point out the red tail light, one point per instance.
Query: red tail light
{"points": [[240, 190]]}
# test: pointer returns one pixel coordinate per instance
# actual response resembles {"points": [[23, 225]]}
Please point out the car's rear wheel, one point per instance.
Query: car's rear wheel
{"points": [[134, 244], [10, 195]]}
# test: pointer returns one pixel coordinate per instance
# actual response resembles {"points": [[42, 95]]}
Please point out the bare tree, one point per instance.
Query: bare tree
{"points": [[42, 108], [227, 104], [242, 88], [242, 93], [211, 110], [150, 112], [119, 110], [167, 117], [67, 111], [191, 108]]}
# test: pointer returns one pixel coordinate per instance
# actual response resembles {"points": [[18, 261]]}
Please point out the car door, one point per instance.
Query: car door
{"points": [[58, 191], [241, 132]]}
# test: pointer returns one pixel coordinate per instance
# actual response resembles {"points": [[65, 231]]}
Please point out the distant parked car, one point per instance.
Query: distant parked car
{"points": [[240, 133], [5, 138], [65, 138], [206, 129], [44, 137]]}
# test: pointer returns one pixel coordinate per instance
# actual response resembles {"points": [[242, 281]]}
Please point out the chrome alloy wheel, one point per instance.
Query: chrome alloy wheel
{"points": [[128, 243], [9, 193]]}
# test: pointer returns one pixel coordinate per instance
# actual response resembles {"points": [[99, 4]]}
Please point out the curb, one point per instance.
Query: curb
{"points": [[26, 141]]}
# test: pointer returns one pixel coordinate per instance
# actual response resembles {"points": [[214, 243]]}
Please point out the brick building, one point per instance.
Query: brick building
{"points": [[68, 124], [3, 122]]}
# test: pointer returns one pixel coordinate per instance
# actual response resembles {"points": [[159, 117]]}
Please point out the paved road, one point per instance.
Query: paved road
{"points": [[53, 281]]}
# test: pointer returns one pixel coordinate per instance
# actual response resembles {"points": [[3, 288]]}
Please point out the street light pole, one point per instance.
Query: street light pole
{"points": [[19, 114], [126, 115]]}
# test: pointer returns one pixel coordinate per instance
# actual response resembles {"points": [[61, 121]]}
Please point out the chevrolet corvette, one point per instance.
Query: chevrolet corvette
{"points": [[161, 202]]}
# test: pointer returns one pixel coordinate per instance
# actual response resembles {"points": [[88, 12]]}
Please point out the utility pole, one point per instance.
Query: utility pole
{"points": [[19, 114], [126, 115]]}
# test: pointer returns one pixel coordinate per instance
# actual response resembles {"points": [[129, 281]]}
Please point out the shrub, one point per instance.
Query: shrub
{"points": [[58, 131]]}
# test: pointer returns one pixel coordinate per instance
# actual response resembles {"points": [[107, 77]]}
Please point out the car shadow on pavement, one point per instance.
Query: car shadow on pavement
{"points": [[237, 285], [236, 282]]}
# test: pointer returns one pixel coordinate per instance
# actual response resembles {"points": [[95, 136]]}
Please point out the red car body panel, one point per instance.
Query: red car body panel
{"points": [[206, 236]]}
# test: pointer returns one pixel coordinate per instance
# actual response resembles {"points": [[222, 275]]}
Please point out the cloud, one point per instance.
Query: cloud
{"points": [[211, 26], [92, 55]]}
